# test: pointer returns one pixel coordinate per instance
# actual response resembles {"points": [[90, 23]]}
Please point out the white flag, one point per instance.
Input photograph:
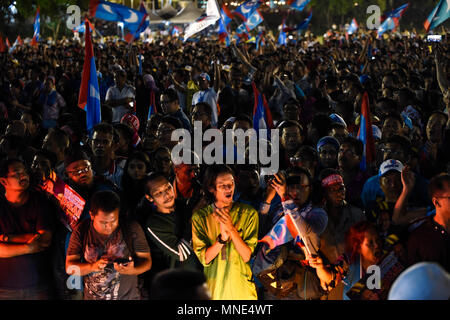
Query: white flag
{"points": [[212, 15]]}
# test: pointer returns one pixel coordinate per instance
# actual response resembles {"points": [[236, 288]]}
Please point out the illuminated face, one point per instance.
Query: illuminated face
{"points": [[17, 178], [224, 189], [80, 173], [105, 223], [161, 194], [291, 138], [371, 247]]}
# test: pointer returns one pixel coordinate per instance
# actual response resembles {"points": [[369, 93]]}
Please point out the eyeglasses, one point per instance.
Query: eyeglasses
{"points": [[78, 172]]}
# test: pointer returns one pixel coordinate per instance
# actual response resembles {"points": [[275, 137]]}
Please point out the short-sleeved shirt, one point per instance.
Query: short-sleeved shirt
{"points": [[228, 277], [108, 284], [30, 270], [114, 93]]}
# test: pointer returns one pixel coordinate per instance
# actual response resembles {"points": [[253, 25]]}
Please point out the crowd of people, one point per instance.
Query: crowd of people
{"points": [[142, 214]]}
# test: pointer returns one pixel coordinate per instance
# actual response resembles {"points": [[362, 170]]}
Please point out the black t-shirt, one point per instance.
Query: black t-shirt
{"points": [[108, 284], [30, 270], [429, 242]]}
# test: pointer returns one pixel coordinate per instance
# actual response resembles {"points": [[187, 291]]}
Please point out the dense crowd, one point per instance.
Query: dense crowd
{"points": [[149, 226]]}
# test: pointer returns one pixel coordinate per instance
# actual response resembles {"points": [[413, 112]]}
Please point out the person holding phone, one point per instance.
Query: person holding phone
{"points": [[108, 252]]}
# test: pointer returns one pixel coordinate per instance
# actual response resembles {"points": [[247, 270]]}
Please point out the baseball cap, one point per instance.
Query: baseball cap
{"points": [[204, 75], [390, 165], [421, 281], [335, 118]]}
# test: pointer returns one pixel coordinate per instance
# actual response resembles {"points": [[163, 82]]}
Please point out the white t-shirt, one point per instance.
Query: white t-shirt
{"points": [[209, 96], [114, 93]]}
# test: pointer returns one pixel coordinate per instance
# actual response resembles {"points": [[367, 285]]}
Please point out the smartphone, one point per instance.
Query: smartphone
{"points": [[434, 38], [268, 178]]}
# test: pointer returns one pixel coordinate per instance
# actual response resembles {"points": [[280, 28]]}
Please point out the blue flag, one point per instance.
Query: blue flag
{"points": [[282, 35], [246, 10], [438, 15], [298, 4], [304, 25], [262, 117], [89, 97], [132, 19], [37, 29]]}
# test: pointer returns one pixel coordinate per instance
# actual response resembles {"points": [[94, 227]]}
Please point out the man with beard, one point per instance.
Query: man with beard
{"points": [[341, 216], [166, 223], [25, 234], [102, 145]]}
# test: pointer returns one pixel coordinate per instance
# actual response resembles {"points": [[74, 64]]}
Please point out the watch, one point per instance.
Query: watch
{"points": [[219, 239]]}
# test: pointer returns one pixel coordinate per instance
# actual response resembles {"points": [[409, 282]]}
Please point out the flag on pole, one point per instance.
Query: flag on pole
{"points": [[365, 133], [304, 25], [352, 27], [37, 29], [392, 19], [89, 97], [246, 10], [130, 37], [298, 4], [252, 22], [16, 43], [152, 107], [210, 17], [131, 19], [438, 15], [262, 117], [227, 16], [81, 27], [282, 35]]}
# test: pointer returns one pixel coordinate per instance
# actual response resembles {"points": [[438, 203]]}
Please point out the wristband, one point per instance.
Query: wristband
{"points": [[219, 239]]}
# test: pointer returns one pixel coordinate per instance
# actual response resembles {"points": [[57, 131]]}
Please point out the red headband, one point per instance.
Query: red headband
{"points": [[332, 179]]}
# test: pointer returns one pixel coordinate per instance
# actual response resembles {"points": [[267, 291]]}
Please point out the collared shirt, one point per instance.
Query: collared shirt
{"points": [[113, 174], [114, 93]]}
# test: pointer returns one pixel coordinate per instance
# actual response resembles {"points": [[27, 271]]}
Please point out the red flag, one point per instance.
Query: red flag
{"points": [[365, 133], [7, 43]]}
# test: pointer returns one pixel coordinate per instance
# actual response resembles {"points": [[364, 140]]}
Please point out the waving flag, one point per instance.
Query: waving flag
{"points": [[7, 43], [352, 27], [143, 25], [304, 25], [89, 97], [260, 40], [252, 22], [282, 36], [365, 133], [175, 31], [225, 18], [246, 10], [298, 4], [392, 19], [262, 117], [290, 227], [16, 43], [37, 29], [226, 14], [204, 21], [438, 15], [81, 28], [132, 19]]}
